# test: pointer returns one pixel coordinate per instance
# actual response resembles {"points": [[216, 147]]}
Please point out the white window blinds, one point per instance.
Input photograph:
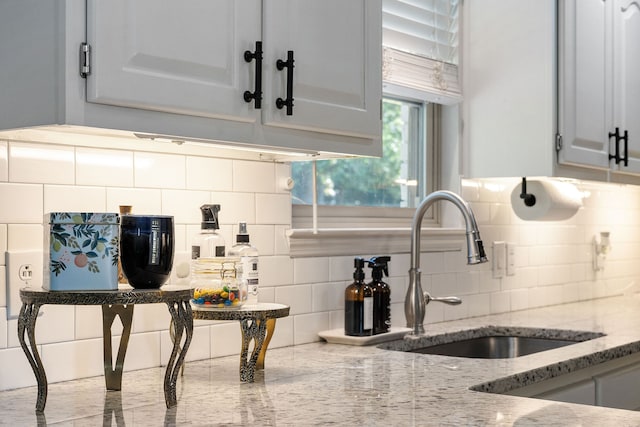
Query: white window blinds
{"points": [[420, 39]]}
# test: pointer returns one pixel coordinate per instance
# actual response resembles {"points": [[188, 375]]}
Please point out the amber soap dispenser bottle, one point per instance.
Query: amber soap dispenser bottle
{"points": [[358, 304], [381, 294]]}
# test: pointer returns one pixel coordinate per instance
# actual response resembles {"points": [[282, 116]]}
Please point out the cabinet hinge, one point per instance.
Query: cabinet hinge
{"points": [[558, 142], [85, 60]]}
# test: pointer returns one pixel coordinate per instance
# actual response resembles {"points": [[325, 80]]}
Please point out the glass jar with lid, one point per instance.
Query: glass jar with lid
{"points": [[218, 283]]}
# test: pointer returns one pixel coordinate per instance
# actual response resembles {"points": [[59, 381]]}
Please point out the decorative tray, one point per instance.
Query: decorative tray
{"points": [[337, 336]]}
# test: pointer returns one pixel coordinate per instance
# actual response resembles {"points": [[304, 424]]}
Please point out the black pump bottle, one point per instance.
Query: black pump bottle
{"points": [[381, 294], [358, 304]]}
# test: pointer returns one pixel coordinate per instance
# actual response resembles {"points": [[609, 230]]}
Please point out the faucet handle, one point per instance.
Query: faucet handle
{"points": [[446, 300]]}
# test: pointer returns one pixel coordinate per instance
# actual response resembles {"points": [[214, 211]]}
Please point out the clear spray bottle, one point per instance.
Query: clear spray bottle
{"points": [[248, 255]]}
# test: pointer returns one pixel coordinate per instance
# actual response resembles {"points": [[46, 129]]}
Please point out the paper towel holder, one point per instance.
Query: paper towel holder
{"points": [[529, 199]]}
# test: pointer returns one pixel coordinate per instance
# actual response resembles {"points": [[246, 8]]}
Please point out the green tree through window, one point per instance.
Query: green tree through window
{"points": [[383, 182]]}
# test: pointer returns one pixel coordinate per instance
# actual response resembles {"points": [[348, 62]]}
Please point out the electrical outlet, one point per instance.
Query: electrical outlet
{"points": [[24, 269]]}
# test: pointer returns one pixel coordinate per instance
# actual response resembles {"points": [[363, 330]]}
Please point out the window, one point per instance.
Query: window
{"points": [[379, 196], [381, 188]]}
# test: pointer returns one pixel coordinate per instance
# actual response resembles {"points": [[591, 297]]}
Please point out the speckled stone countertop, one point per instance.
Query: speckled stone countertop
{"points": [[324, 384]]}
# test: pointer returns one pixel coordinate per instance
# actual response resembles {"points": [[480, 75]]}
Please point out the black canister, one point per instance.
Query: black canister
{"points": [[146, 249]]}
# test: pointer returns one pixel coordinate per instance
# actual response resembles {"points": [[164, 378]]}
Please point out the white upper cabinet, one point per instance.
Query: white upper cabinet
{"points": [[508, 74], [182, 57], [178, 68], [626, 83], [336, 74], [598, 84], [585, 82]]}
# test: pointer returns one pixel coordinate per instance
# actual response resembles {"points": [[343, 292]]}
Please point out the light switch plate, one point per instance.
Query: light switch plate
{"points": [[511, 259], [498, 259], [24, 269]]}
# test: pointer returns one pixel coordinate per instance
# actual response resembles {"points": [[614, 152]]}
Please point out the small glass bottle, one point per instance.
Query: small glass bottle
{"points": [[358, 304], [248, 255]]}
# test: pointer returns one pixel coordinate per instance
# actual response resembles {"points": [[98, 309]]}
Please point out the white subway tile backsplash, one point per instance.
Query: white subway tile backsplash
{"points": [[209, 174], [199, 349], [282, 334], [184, 205], [297, 297], [66, 361], [276, 271], [500, 302], [306, 327], [273, 208], [150, 317], [519, 299], [310, 270], [25, 237], [553, 259], [155, 170], [104, 167], [281, 242], [22, 203], [262, 237], [143, 201], [15, 370], [88, 322], [143, 351], [254, 177], [226, 339], [327, 296], [3, 320], [56, 324], [4, 161], [41, 163], [3, 242], [67, 198], [235, 207]]}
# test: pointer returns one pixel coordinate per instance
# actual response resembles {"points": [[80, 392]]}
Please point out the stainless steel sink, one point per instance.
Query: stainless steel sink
{"points": [[496, 347], [492, 342]]}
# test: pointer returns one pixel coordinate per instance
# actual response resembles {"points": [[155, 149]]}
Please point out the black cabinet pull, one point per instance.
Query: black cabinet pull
{"points": [[619, 138], [280, 64], [249, 56], [626, 148]]}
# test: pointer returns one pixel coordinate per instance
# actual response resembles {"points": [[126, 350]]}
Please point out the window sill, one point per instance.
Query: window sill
{"points": [[336, 241]]}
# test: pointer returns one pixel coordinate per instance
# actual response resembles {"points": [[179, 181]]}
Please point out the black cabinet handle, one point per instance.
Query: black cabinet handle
{"points": [[619, 138], [256, 95], [280, 64]]}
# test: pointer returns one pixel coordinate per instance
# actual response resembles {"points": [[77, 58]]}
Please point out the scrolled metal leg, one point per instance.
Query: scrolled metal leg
{"points": [[182, 320], [113, 375], [252, 329], [27, 325], [271, 326]]}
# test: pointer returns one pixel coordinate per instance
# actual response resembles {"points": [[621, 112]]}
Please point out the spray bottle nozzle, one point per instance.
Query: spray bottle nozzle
{"points": [[210, 216], [379, 264]]}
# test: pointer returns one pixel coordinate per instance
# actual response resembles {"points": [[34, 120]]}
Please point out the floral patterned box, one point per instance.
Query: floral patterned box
{"points": [[81, 251]]}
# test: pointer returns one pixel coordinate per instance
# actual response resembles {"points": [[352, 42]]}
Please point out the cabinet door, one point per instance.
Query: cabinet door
{"points": [[337, 78], [585, 89], [178, 56], [626, 18]]}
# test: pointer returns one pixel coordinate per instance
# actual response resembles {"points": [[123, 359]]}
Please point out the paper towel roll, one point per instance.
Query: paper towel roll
{"points": [[555, 200]]}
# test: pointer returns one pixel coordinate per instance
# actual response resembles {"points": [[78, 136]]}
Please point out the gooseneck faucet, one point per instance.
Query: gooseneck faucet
{"points": [[416, 300]]}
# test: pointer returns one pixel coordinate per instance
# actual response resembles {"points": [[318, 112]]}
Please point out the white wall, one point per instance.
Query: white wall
{"points": [[553, 259]]}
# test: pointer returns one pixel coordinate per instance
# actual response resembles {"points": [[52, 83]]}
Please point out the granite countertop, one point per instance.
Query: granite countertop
{"points": [[322, 383]]}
